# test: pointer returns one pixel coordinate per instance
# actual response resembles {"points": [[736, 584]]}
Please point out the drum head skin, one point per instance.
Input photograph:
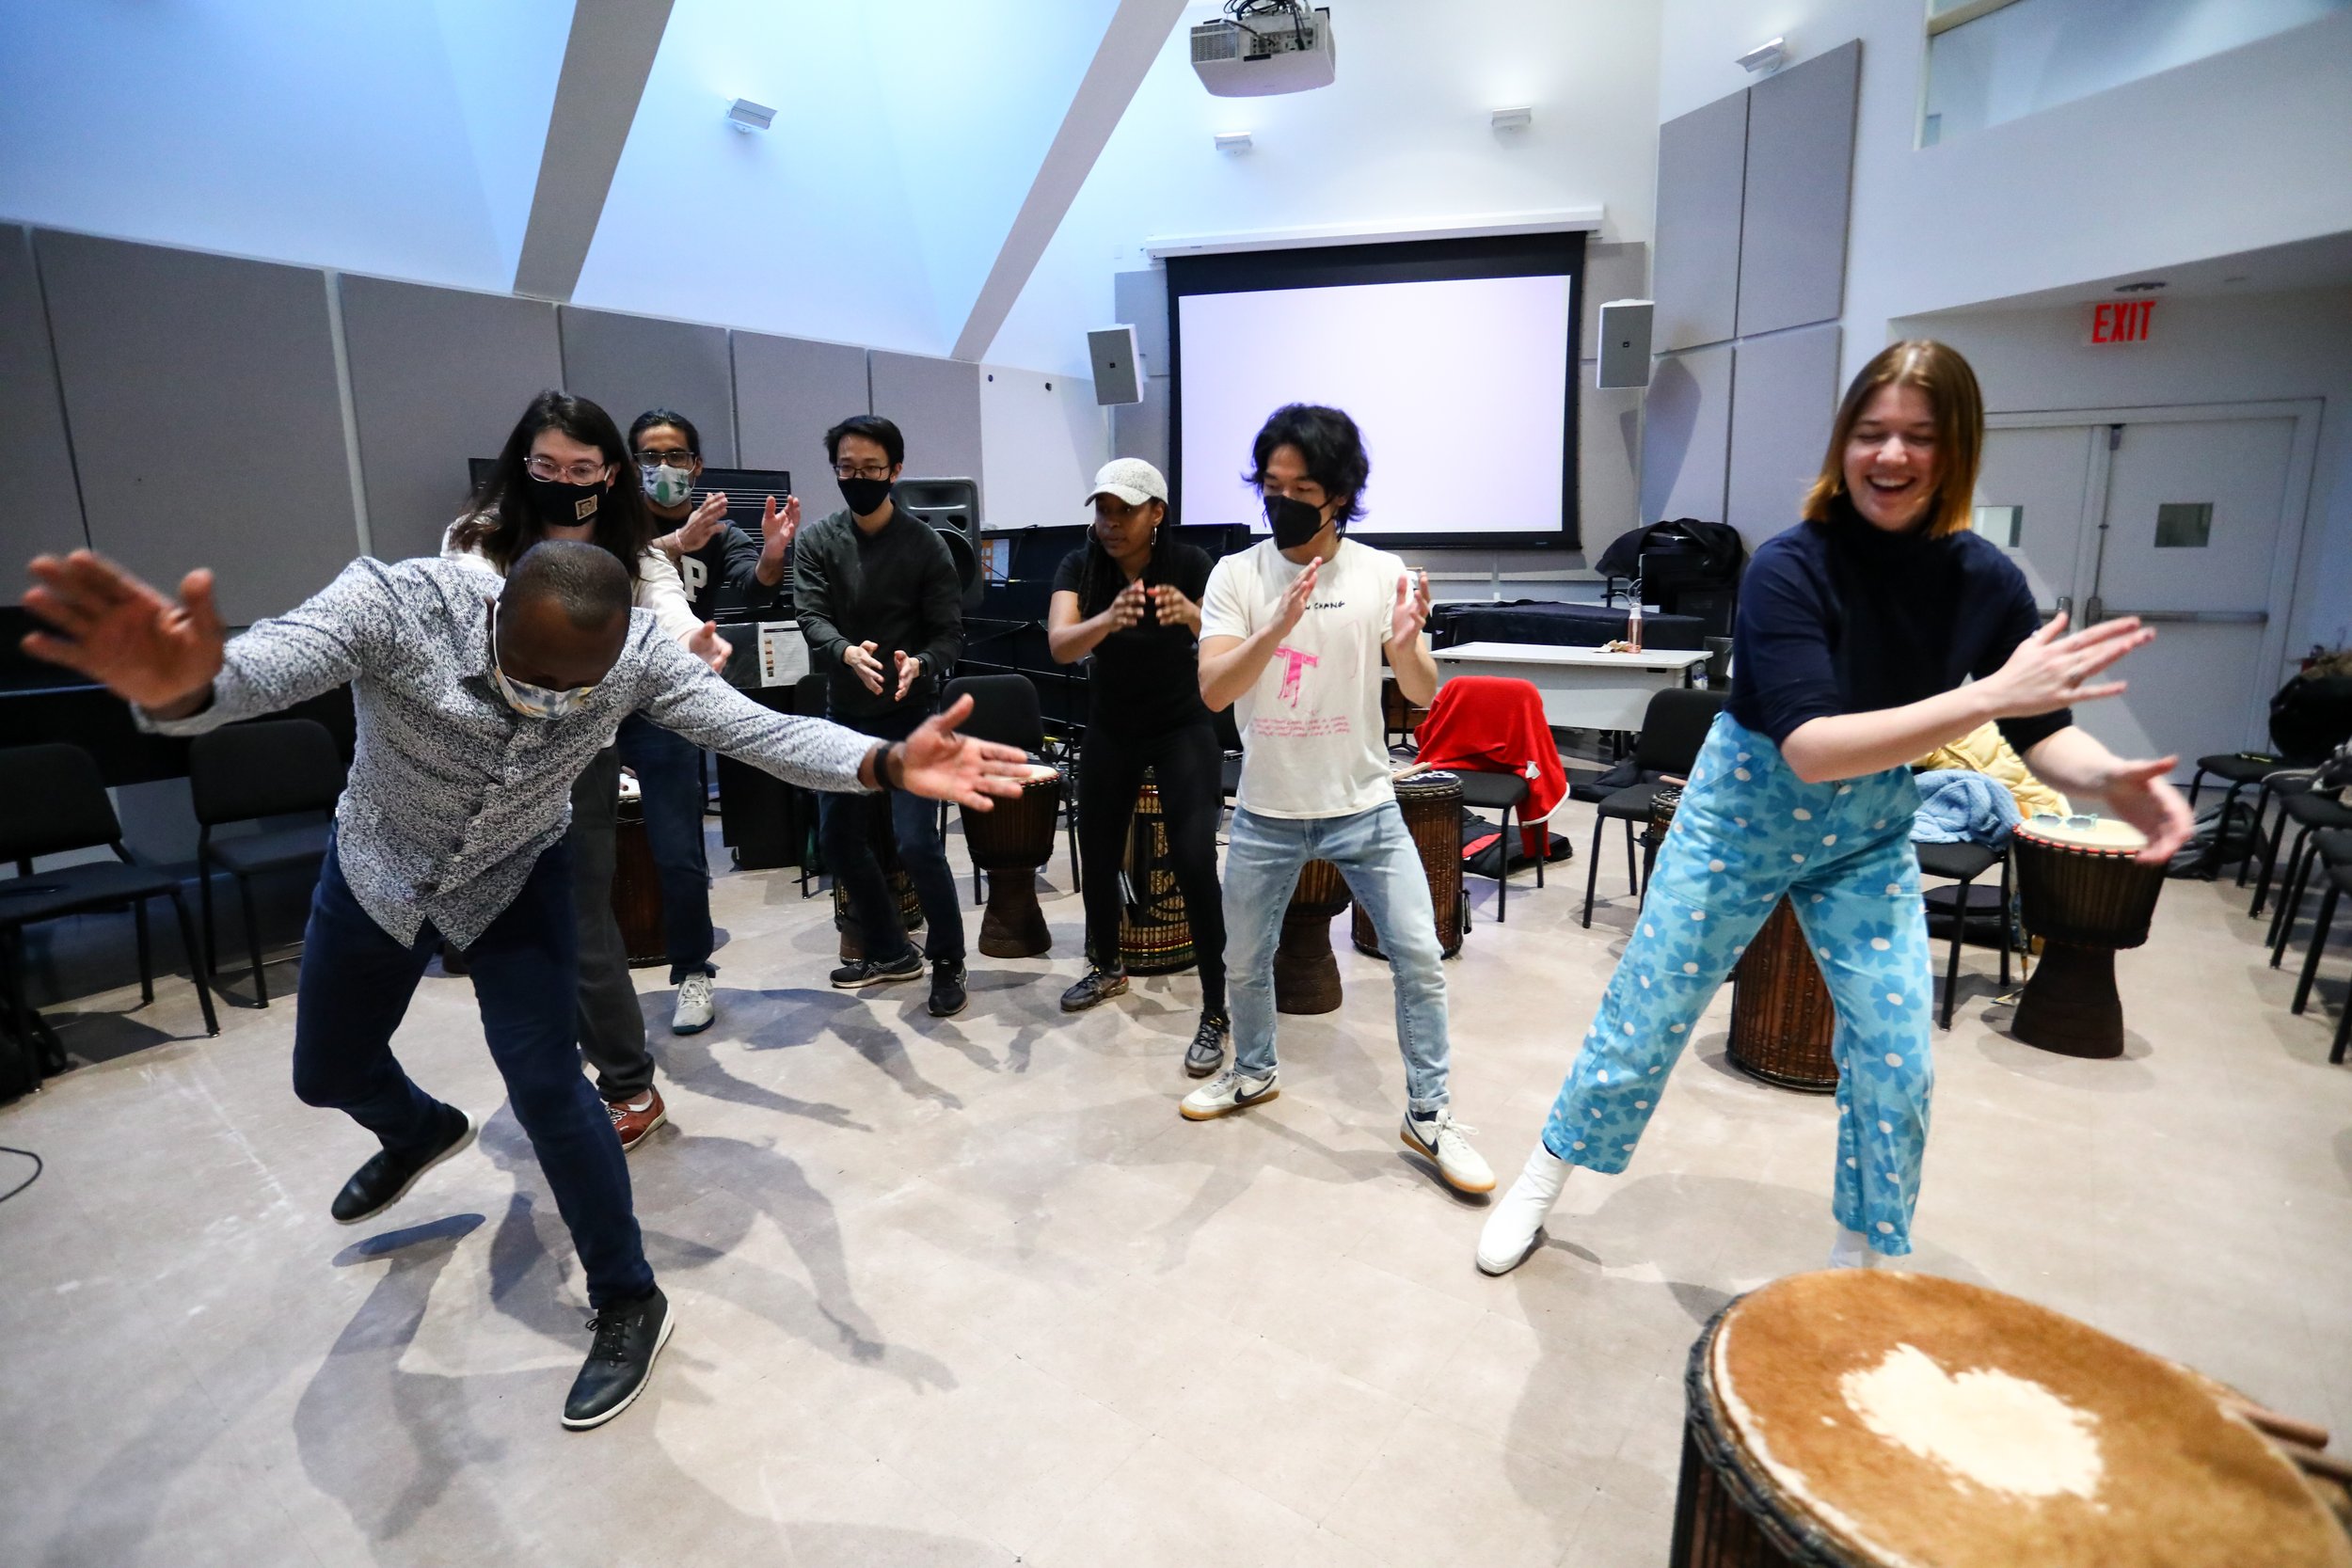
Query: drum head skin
{"points": [[1919, 1420], [2100, 835]]}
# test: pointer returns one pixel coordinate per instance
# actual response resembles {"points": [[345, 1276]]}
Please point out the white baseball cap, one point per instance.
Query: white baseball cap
{"points": [[1131, 480]]}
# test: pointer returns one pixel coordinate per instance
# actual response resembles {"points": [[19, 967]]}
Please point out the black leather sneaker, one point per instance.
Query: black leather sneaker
{"points": [[1093, 987], [1207, 1051], [868, 972], [947, 997], [386, 1178], [630, 1334]]}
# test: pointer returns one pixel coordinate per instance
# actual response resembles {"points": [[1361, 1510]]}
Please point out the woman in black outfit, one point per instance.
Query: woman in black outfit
{"points": [[1131, 597]]}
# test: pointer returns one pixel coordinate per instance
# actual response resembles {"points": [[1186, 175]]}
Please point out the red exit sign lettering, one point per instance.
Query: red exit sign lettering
{"points": [[2121, 321]]}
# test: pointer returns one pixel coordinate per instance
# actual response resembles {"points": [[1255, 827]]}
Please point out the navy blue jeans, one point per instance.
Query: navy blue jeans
{"points": [[356, 984], [914, 822], [669, 769]]}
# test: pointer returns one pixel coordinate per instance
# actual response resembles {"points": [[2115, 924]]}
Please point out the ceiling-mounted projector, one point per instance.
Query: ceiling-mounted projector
{"points": [[1265, 46]]}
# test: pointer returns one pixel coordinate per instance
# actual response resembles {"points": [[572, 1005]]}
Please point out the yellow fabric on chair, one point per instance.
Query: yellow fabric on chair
{"points": [[1984, 750]]}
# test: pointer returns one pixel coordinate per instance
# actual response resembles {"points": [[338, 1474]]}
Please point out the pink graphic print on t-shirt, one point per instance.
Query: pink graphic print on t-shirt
{"points": [[1294, 663]]}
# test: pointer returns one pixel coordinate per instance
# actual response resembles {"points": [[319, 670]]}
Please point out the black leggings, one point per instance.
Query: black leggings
{"points": [[1188, 767]]}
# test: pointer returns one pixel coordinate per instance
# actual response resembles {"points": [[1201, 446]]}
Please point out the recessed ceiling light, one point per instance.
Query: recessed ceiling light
{"points": [[2237, 277], [1511, 119], [1234, 141], [2145, 286], [746, 116]]}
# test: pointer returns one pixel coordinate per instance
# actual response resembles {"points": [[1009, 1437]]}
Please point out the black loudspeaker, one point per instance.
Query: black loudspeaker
{"points": [[1624, 343], [1118, 375], [953, 507]]}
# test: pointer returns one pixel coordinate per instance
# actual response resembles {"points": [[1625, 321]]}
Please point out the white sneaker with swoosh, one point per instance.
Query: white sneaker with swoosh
{"points": [[1229, 1091]]}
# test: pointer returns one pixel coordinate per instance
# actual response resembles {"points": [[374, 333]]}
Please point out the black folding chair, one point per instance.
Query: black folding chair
{"points": [[52, 802], [1005, 709], [1963, 864], [246, 771], [1673, 728]]}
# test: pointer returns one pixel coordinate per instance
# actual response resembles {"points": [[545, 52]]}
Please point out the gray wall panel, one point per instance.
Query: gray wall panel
{"points": [[1696, 266], [1792, 239], [1140, 429], [631, 363], [1685, 438], [1608, 463], [1784, 396], [1140, 300], [437, 376], [936, 405], [788, 392], [43, 510], [207, 421]]}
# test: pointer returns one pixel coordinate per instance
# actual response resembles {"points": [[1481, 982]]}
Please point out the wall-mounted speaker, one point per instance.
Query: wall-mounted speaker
{"points": [[1118, 376], [1624, 343], [953, 507]]}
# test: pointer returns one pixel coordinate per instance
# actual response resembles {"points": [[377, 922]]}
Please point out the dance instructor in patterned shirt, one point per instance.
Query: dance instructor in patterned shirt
{"points": [[1877, 629], [478, 705]]}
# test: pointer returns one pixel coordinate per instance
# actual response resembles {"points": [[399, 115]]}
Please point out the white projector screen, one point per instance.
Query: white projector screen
{"points": [[1459, 385]]}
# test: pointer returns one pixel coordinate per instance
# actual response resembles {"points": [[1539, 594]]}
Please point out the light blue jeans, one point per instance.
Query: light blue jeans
{"points": [[1376, 855]]}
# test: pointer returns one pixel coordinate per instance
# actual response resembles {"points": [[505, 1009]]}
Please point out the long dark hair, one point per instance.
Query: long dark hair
{"points": [[1099, 577], [500, 520]]}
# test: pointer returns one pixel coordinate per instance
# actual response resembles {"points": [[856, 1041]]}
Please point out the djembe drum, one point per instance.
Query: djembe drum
{"points": [[884, 838], [2081, 891], [637, 883], [1432, 805], [1855, 1419], [1154, 933], [1010, 842], [1306, 971], [1782, 1017]]}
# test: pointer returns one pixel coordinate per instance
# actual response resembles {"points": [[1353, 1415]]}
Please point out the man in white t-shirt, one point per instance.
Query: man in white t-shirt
{"points": [[1292, 635]]}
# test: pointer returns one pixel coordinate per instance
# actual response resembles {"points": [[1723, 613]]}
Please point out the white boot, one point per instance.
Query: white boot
{"points": [[1518, 1216], [1852, 1250]]}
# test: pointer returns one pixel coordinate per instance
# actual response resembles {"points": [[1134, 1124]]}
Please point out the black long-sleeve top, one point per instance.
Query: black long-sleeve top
{"points": [[895, 589], [1843, 617], [728, 559]]}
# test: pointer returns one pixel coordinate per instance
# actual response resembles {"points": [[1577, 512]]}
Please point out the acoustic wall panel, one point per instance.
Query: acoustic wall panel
{"points": [[631, 363], [789, 391], [1792, 227], [1686, 436], [1139, 299], [1608, 462], [206, 416], [437, 376], [1619, 271], [937, 405], [1783, 398], [1140, 429], [1695, 264], [44, 509]]}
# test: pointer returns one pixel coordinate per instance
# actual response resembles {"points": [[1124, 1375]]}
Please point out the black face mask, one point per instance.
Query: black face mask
{"points": [[561, 505], [1293, 521], [865, 496]]}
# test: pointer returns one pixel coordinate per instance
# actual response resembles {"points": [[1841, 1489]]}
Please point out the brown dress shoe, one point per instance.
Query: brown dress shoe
{"points": [[632, 1119]]}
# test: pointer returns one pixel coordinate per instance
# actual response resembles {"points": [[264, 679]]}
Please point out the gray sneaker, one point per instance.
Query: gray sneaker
{"points": [[1207, 1051], [1093, 987]]}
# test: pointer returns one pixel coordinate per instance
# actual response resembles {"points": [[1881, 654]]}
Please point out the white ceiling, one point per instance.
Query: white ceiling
{"points": [[2324, 263]]}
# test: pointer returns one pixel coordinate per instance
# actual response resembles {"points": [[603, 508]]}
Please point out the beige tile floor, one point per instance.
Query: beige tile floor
{"points": [[970, 1292]]}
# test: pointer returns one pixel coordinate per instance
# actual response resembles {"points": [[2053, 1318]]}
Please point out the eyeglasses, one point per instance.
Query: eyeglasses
{"points": [[676, 457], [585, 471], [861, 470]]}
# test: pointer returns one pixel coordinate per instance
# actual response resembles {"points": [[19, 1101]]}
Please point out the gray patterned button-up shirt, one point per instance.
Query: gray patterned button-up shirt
{"points": [[452, 793]]}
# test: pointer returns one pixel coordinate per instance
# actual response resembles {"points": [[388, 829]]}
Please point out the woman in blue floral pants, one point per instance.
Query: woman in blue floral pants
{"points": [[1877, 629]]}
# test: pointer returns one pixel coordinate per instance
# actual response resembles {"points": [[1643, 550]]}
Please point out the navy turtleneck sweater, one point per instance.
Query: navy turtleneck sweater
{"points": [[1842, 617]]}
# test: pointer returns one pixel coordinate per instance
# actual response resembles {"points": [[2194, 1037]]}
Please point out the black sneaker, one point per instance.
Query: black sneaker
{"points": [[1093, 987], [628, 1335], [1207, 1051], [867, 972], [947, 998], [386, 1178]]}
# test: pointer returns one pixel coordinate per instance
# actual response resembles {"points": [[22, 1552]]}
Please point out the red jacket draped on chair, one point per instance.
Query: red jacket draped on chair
{"points": [[1492, 724]]}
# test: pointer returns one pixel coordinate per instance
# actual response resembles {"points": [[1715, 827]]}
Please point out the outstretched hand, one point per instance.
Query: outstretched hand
{"points": [[2053, 668], [1411, 611], [940, 765], [777, 526], [123, 634], [708, 646], [708, 520], [2141, 794]]}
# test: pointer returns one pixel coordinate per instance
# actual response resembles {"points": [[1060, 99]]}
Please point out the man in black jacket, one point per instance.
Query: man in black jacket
{"points": [[877, 600]]}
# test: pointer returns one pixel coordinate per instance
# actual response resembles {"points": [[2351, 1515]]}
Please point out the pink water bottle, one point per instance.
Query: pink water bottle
{"points": [[1633, 623]]}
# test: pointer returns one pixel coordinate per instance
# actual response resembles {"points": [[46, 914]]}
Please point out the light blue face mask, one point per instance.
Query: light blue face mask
{"points": [[532, 702], [665, 485]]}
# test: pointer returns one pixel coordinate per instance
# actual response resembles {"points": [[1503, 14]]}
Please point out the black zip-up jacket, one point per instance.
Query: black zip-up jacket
{"points": [[895, 589]]}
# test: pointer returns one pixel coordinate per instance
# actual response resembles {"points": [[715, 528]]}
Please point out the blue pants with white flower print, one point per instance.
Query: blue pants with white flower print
{"points": [[1748, 831]]}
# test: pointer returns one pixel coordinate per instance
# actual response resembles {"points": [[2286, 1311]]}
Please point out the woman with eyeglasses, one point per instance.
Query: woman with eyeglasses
{"points": [[564, 474], [1875, 630], [1130, 596]]}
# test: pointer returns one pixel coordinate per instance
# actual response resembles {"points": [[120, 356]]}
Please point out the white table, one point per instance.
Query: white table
{"points": [[1582, 688]]}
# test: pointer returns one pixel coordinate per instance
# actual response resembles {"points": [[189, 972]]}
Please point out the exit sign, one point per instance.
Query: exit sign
{"points": [[2121, 321]]}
